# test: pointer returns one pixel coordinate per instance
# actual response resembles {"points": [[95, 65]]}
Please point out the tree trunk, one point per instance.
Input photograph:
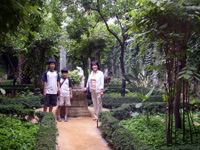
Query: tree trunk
{"points": [[176, 109], [123, 70], [113, 68], [181, 64]]}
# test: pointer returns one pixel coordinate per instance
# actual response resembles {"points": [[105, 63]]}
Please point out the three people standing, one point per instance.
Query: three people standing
{"points": [[52, 88]]}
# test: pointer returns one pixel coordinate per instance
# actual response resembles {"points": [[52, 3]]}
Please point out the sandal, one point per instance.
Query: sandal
{"points": [[59, 119]]}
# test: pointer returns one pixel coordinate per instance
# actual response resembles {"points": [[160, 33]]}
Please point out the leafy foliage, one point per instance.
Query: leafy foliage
{"points": [[153, 135], [115, 102], [19, 110], [27, 102], [75, 77], [117, 136], [46, 138], [16, 134]]}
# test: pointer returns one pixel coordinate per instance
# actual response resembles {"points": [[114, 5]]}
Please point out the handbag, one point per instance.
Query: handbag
{"points": [[89, 96]]}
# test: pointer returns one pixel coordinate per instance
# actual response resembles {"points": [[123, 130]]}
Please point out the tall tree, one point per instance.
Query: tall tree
{"points": [[117, 10], [173, 23]]}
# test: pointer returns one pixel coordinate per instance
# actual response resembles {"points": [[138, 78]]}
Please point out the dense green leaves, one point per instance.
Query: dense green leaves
{"points": [[16, 134]]}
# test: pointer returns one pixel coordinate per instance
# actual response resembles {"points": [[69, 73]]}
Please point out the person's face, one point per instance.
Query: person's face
{"points": [[94, 67], [51, 66], [64, 74]]}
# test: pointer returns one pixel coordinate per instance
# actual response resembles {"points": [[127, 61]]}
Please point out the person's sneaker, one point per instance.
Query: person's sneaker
{"points": [[59, 119], [66, 119]]}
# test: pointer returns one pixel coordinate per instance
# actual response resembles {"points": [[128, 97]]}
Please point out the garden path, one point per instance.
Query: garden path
{"points": [[80, 134]]}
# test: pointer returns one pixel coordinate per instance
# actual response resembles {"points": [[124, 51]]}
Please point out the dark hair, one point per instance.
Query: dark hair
{"points": [[95, 63], [51, 61], [64, 70]]}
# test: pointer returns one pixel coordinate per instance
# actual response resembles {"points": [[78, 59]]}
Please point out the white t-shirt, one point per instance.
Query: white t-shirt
{"points": [[52, 79], [64, 89]]}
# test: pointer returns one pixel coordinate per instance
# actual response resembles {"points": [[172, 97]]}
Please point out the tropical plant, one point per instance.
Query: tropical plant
{"points": [[75, 77], [137, 79], [152, 20]]}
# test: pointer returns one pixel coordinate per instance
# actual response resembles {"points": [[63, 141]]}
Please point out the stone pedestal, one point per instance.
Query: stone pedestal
{"points": [[79, 105]]}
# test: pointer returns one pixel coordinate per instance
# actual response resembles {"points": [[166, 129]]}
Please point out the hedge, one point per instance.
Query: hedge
{"points": [[118, 89], [115, 102], [120, 138], [46, 139], [17, 110], [27, 102], [117, 136], [22, 107], [125, 111], [18, 87]]}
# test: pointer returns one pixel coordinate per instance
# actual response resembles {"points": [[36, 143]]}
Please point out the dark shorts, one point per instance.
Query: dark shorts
{"points": [[51, 99]]}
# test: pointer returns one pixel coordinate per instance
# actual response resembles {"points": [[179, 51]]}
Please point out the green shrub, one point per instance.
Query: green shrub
{"points": [[115, 81], [17, 134], [27, 102], [115, 102], [118, 137], [126, 110], [40, 115], [46, 139], [75, 77], [17, 110], [111, 88], [18, 87], [153, 135], [6, 82]]}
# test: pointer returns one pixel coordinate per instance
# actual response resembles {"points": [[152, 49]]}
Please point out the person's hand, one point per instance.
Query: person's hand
{"points": [[102, 93], [58, 96], [44, 94], [85, 89], [58, 92], [71, 96]]}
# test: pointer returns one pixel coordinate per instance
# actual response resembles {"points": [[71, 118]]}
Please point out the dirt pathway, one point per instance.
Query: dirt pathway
{"points": [[80, 134]]}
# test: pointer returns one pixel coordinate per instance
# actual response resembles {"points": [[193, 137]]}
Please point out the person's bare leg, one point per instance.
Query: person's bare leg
{"points": [[66, 110], [59, 108], [50, 108], [45, 108]]}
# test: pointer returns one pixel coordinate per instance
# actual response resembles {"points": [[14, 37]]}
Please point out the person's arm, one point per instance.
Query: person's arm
{"points": [[44, 91], [44, 78], [58, 89], [58, 82], [71, 95], [102, 84], [86, 88]]}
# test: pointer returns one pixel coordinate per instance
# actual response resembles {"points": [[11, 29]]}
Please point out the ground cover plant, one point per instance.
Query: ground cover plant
{"points": [[154, 134], [17, 134]]}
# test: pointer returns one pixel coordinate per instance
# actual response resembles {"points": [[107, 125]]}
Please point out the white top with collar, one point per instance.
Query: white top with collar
{"points": [[99, 80]]}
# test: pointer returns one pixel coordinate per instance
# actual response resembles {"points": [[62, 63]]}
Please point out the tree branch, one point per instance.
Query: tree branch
{"points": [[96, 23], [12, 66], [113, 33]]}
